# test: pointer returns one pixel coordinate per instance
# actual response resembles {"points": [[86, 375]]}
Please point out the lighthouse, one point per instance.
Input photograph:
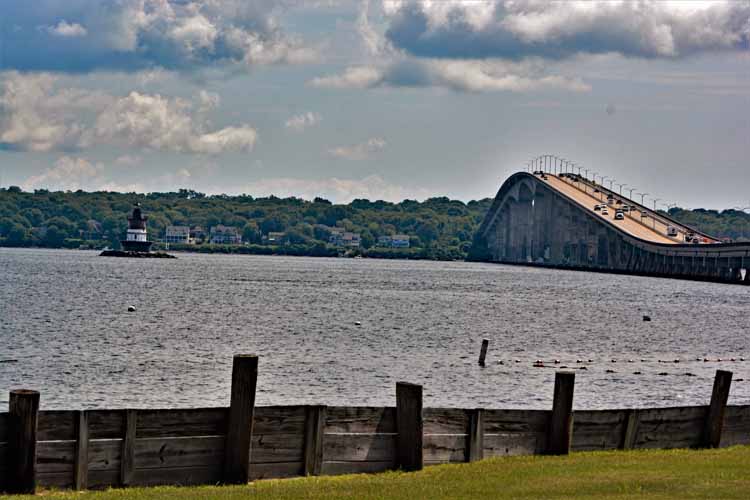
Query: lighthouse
{"points": [[136, 239]]}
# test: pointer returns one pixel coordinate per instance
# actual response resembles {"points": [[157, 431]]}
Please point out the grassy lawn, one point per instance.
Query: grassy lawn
{"points": [[633, 474]]}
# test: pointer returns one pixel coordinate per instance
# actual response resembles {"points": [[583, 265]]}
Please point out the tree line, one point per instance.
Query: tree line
{"points": [[439, 228]]}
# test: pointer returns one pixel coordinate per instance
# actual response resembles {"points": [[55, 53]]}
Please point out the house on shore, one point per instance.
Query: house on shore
{"points": [[225, 235], [394, 241], [178, 235]]}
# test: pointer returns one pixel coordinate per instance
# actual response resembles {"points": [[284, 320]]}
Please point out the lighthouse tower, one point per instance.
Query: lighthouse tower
{"points": [[136, 239]]}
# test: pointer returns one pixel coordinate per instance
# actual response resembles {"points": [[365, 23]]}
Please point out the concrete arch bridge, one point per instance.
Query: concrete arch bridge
{"points": [[567, 221]]}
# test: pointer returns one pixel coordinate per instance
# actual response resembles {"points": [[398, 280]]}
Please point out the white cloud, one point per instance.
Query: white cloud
{"points": [[128, 160], [129, 35], [208, 101], [160, 123], [68, 173], [460, 75], [520, 28], [66, 29], [372, 187], [358, 151], [302, 121], [37, 116], [357, 77]]}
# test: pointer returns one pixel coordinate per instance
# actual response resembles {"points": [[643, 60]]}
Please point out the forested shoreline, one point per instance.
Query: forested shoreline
{"points": [[438, 228]]}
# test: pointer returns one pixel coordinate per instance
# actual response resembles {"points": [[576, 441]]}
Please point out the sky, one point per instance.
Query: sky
{"points": [[389, 99]]}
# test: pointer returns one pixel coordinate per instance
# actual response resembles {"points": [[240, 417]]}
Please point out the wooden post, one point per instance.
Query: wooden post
{"points": [[715, 417], [127, 462], [409, 426], [240, 425], [631, 430], [23, 414], [475, 445], [82, 452], [483, 352], [561, 422], [315, 420]]}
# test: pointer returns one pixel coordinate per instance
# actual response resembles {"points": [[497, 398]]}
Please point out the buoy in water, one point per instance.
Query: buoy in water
{"points": [[131, 309]]}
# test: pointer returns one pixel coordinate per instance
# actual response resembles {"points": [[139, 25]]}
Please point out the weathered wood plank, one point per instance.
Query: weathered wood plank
{"points": [[359, 447], [105, 455], [276, 470], [338, 468], [106, 424], [631, 429], [3, 427], [81, 469], [715, 416], [475, 440], [360, 419], [499, 445], [445, 421], [670, 427], [270, 448], [127, 462], [55, 479], [56, 456], [57, 425], [240, 419], [22, 441], [410, 426], [736, 426], [279, 420], [179, 452], [99, 479], [598, 430], [444, 448], [510, 421], [180, 423], [561, 421], [182, 476], [314, 429]]}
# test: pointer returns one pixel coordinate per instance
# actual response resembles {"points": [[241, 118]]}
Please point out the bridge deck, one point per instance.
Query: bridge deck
{"points": [[649, 228]]}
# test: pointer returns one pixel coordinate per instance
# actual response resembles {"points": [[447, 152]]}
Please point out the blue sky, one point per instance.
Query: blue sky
{"points": [[381, 100]]}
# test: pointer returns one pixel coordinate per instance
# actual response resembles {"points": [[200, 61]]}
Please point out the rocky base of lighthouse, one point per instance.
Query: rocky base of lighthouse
{"points": [[139, 255]]}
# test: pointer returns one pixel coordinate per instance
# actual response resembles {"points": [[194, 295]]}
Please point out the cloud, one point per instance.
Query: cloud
{"points": [[358, 151], [67, 29], [298, 123], [515, 29], [128, 160], [460, 75], [372, 187], [68, 173], [129, 35], [36, 115]]}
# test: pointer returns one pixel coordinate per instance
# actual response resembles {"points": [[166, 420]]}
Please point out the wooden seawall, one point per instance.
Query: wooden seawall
{"points": [[99, 448]]}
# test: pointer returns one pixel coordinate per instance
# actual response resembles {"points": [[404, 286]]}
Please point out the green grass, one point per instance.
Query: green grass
{"points": [[634, 474]]}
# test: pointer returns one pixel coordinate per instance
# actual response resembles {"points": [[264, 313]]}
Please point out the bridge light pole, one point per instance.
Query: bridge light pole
{"points": [[610, 184], [630, 192], [621, 186], [601, 195], [653, 225], [643, 195]]}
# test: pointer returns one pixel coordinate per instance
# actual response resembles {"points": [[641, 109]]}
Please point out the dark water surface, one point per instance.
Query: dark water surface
{"points": [[64, 319]]}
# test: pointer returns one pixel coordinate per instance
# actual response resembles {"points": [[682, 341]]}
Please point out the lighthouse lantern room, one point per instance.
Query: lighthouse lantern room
{"points": [[136, 239]]}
